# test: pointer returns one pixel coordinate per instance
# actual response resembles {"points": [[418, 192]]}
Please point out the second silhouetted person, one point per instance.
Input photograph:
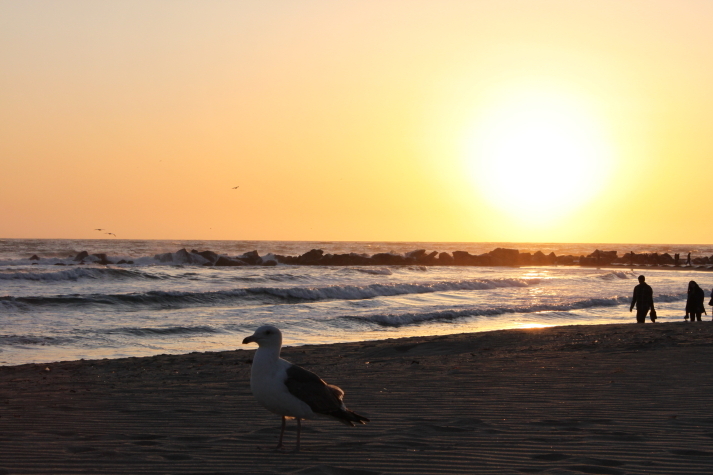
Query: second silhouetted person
{"points": [[694, 303]]}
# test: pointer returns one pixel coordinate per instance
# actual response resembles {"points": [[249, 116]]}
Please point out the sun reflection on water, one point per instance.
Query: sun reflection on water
{"points": [[533, 325]]}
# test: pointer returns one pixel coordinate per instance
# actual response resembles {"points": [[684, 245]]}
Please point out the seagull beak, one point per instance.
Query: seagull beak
{"points": [[250, 339]]}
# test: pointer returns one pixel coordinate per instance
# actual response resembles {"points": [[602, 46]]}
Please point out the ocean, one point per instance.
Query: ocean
{"points": [[55, 309]]}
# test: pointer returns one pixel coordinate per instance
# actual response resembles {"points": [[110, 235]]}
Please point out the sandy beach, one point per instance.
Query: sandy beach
{"points": [[599, 399]]}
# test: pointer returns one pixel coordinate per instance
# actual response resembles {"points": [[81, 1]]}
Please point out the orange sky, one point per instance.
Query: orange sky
{"points": [[557, 121]]}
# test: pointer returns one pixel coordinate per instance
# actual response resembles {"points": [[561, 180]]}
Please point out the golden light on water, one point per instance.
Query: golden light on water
{"points": [[526, 326], [537, 154]]}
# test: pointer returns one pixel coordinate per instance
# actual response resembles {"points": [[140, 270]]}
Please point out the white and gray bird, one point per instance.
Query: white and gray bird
{"points": [[290, 391]]}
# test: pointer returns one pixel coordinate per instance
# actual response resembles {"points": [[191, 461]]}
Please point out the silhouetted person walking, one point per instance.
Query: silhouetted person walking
{"points": [[644, 301], [688, 260], [694, 303]]}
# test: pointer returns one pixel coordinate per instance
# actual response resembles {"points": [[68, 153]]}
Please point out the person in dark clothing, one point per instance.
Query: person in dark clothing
{"points": [[644, 301], [694, 303]]}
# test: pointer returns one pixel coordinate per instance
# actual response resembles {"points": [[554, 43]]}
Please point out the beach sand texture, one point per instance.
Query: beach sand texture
{"points": [[599, 399]]}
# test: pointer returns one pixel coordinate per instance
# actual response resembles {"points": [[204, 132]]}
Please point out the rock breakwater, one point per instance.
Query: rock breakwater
{"points": [[419, 257]]}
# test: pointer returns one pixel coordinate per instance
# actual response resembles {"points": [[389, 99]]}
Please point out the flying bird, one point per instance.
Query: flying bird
{"points": [[235, 187], [100, 229], [291, 391], [111, 234]]}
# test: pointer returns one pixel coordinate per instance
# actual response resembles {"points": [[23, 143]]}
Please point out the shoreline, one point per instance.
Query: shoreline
{"points": [[495, 336], [612, 398]]}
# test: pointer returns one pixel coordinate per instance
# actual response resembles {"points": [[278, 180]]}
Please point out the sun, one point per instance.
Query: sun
{"points": [[537, 155]]}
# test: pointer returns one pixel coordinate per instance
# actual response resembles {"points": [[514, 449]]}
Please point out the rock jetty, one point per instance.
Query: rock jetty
{"points": [[419, 257]]}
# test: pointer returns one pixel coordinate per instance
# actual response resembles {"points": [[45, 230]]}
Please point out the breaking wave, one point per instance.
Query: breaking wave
{"points": [[370, 270], [31, 340], [78, 274], [404, 319], [166, 331], [613, 275], [354, 292], [173, 299]]}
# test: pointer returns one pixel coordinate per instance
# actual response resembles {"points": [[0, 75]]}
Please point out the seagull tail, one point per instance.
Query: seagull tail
{"points": [[348, 417]]}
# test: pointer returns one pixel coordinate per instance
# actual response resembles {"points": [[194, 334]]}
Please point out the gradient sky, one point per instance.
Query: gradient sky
{"points": [[557, 121]]}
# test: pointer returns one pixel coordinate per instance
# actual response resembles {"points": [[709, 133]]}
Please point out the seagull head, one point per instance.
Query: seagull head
{"points": [[266, 335]]}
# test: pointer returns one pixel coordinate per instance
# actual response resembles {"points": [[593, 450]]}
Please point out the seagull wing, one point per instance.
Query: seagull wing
{"points": [[321, 397]]}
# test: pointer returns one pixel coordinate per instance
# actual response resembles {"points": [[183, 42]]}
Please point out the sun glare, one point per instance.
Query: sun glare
{"points": [[537, 155]]}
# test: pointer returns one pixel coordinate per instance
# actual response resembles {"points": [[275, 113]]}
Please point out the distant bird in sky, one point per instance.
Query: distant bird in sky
{"points": [[100, 229], [235, 187], [111, 234]]}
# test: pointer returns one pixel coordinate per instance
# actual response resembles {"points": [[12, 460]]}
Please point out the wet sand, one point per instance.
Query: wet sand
{"points": [[599, 399]]}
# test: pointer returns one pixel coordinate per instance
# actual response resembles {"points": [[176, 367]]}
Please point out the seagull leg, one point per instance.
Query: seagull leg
{"points": [[282, 433], [299, 430]]}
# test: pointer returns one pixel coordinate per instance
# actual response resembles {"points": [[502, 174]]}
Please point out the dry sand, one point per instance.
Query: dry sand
{"points": [[600, 399]]}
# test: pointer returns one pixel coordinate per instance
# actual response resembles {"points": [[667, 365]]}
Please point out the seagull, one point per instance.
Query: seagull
{"points": [[111, 234], [291, 391], [100, 229], [235, 187]]}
